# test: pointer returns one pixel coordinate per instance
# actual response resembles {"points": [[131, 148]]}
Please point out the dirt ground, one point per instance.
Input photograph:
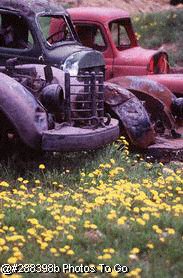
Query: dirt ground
{"points": [[132, 6]]}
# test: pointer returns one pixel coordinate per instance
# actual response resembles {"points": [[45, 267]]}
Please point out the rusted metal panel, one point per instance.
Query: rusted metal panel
{"points": [[70, 138], [174, 82], [166, 149], [148, 86], [24, 112], [158, 99], [131, 114]]}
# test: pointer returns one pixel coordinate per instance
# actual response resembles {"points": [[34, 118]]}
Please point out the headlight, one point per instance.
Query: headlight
{"points": [[71, 65]]}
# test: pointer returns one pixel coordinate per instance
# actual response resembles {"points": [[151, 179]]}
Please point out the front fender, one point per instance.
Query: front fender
{"points": [[158, 98], [131, 114], [23, 111]]}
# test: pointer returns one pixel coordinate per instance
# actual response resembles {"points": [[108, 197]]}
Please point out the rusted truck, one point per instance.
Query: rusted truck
{"points": [[52, 92]]}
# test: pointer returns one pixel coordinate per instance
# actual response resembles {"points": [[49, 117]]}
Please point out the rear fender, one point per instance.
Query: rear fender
{"points": [[131, 114], [20, 107]]}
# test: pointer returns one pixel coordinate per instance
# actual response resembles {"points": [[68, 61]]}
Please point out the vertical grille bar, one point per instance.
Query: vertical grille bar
{"points": [[93, 94], [67, 97], [101, 96], [86, 82]]}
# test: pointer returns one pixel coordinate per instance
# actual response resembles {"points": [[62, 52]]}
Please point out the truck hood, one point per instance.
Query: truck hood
{"points": [[72, 54], [136, 56]]}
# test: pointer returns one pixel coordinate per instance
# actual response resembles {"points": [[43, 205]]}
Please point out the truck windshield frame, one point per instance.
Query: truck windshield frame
{"points": [[57, 38]]}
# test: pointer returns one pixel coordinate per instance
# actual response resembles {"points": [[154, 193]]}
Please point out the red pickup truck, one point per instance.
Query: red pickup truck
{"points": [[110, 31]]}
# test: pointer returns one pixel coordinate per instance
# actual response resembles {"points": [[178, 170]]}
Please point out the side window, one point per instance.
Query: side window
{"points": [[124, 39], [14, 32], [99, 40], [91, 36], [119, 34]]}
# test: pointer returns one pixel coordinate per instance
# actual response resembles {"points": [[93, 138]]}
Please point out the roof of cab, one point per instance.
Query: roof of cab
{"points": [[100, 14], [30, 7]]}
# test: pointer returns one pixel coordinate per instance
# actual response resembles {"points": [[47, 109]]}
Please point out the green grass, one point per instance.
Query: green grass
{"points": [[121, 195], [162, 28]]}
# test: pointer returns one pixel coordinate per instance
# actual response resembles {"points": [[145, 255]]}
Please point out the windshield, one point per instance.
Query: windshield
{"points": [[91, 35], [55, 29], [122, 34]]}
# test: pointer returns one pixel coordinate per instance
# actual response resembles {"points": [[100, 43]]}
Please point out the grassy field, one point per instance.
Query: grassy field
{"points": [[155, 30], [105, 207]]}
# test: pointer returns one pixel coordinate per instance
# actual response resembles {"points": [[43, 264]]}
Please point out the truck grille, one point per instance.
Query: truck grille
{"points": [[84, 100]]}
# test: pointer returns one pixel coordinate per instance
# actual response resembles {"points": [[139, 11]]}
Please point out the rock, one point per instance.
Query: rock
{"points": [[94, 236]]}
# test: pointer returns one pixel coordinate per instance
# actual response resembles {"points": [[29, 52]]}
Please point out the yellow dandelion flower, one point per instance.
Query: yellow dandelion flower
{"points": [[1, 216], [140, 221], [25, 181], [5, 248], [135, 250], [2, 241], [31, 231], [70, 237], [112, 161], [70, 252], [43, 245], [12, 260], [33, 221], [170, 231], [53, 250], [114, 274], [150, 245], [42, 166], [37, 182], [62, 250], [23, 187], [20, 179], [145, 216], [107, 256], [4, 184]]}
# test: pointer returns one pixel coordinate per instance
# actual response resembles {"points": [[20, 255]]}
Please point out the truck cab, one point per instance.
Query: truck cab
{"points": [[25, 34], [110, 31]]}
